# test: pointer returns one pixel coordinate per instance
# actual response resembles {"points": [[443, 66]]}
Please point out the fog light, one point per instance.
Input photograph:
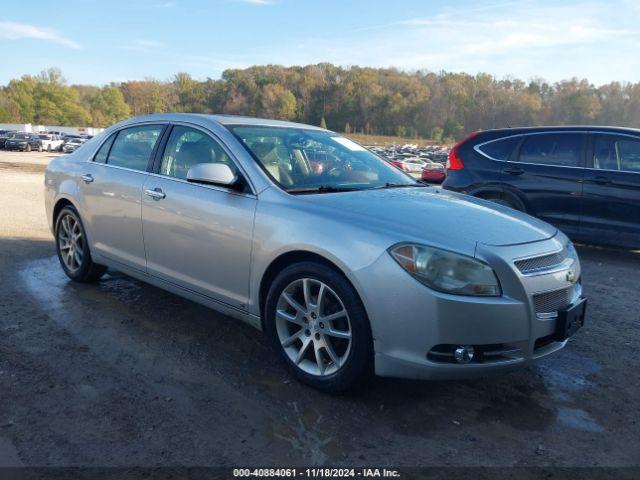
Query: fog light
{"points": [[463, 354]]}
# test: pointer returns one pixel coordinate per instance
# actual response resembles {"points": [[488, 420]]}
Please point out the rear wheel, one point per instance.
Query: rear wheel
{"points": [[318, 324], [73, 248]]}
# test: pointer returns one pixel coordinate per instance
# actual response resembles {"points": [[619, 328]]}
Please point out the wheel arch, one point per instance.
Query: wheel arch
{"points": [[488, 193], [286, 259], [57, 208]]}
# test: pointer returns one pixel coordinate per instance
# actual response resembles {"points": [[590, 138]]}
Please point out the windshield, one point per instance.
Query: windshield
{"points": [[302, 160], [21, 136]]}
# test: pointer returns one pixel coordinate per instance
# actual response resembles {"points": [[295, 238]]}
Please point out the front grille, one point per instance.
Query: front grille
{"points": [[555, 300], [544, 262]]}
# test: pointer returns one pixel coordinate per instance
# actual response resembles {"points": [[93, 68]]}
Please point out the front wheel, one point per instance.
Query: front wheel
{"points": [[318, 324], [73, 248]]}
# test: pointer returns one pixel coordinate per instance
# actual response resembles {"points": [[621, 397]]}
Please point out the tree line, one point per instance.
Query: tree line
{"points": [[383, 101]]}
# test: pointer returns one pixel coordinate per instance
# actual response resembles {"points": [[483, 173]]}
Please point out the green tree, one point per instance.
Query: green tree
{"points": [[277, 102], [107, 106]]}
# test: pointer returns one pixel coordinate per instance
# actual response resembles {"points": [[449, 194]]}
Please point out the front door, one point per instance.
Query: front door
{"points": [[198, 236]]}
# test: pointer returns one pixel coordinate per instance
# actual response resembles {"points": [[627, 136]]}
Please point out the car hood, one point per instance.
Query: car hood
{"points": [[436, 215]]}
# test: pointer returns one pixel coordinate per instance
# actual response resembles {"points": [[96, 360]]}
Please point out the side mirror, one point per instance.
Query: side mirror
{"points": [[211, 173]]}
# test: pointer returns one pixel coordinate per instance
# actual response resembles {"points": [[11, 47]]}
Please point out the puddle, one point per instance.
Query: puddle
{"points": [[564, 374], [578, 420]]}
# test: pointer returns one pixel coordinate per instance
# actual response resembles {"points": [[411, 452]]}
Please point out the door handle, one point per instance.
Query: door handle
{"points": [[514, 171], [88, 178], [601, 180], [156, 193]]}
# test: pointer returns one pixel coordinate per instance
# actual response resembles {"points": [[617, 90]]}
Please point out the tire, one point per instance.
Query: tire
{"points": [[330, 361], [80, 267]]}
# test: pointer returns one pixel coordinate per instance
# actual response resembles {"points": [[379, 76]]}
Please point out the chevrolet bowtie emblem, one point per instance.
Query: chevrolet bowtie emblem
{"points": [[571, 276]]}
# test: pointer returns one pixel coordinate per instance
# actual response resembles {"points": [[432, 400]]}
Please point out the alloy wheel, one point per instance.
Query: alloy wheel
{"points": [[70, 242], [313, 327]]}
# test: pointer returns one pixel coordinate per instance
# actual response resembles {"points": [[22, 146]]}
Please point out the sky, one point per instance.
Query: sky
{"points": [[114, 40]]}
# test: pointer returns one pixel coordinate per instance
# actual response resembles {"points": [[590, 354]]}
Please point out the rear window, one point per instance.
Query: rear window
{"points": [[561, 150], [133, 146], [499, 149]]}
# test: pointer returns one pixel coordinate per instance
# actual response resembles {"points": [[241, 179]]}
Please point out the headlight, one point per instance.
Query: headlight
{"points": [[446, 271]]}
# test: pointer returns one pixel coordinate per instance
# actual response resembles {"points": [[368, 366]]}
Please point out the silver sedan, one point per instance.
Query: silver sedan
{"points": [[347, 263]]}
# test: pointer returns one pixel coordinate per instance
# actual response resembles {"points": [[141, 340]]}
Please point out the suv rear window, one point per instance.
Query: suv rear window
{"points": [[499, 149], [559, 149]]}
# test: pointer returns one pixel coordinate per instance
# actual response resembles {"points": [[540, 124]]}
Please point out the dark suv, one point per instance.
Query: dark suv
{"points": [[24, 141], [584, 180]]}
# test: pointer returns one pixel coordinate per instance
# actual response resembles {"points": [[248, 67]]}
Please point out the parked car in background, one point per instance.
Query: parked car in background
{"points": [[585, 180], [50, 142], [411, 165], [72, 144], [4, 135], [24, 141], [334, 263], [433, 172]]}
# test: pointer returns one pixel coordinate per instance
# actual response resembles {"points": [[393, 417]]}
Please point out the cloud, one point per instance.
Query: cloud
{"points": [[526, 39], [18, 31]]}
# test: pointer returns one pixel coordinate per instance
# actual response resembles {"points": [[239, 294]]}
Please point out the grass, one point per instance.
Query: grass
{"points": [[384, 140]]}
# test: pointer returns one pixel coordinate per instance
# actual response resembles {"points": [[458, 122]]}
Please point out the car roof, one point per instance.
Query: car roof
{"points": [[560, 128], [221, 119]]}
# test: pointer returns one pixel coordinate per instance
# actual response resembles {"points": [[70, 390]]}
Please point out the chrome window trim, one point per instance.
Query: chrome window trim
{"points": [[204, 130], [550, 132], [116, 131], [585, 132], [217, 188], [118, 167]]}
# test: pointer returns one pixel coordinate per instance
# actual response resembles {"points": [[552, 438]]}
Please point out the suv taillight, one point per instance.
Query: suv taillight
{"points": [[454, 162]]}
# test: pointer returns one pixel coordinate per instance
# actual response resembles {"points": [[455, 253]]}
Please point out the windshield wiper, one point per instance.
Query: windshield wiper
{"points": [[398, 185], [322, 189]]}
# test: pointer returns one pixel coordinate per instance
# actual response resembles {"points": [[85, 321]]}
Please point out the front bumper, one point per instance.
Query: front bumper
{"points": [[410, 322]]}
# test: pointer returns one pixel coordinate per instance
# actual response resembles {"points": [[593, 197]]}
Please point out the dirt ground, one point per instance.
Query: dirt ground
{"points": [[123, 374]]}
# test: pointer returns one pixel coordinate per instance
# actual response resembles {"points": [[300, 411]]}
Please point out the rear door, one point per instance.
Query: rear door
{"points": [[112, 190], [546, 169], [611, 211]]}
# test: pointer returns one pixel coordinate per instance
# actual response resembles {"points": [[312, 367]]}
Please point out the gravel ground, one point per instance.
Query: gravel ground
{"points": [[123, 374]]}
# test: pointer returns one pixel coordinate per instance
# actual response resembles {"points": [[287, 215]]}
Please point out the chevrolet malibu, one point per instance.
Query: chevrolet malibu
{"points": [[349, 265]]}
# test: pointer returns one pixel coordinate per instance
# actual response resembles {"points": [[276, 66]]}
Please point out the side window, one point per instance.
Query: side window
{"points": [[562, 150], [133, 146], [188, 147], [101, 156], [499, 149], [629, 154]]}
